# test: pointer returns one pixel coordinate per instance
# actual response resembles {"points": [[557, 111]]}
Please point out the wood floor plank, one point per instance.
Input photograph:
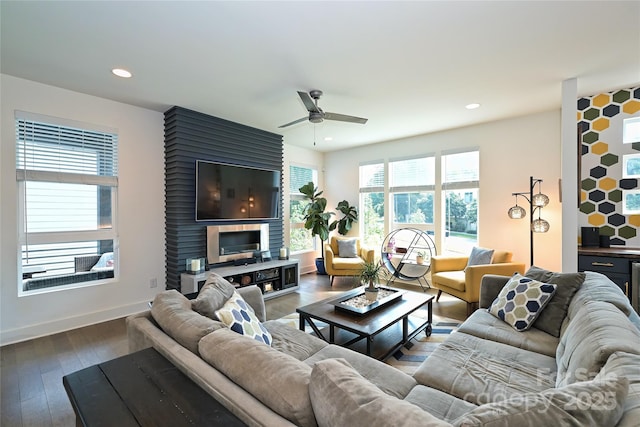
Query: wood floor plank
{"points": [[29, 371], [35, 412], [66, 353], [60, 409]]}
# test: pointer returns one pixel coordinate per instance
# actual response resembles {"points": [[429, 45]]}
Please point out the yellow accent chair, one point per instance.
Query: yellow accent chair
{"points": [[350, 265], [450, 274]]}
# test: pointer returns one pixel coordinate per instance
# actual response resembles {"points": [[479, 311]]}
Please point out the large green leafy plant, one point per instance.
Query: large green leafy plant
{"points": [[316, 219]]}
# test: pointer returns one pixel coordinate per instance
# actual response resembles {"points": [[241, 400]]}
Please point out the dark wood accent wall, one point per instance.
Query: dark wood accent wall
{"points": [[191, 136]]}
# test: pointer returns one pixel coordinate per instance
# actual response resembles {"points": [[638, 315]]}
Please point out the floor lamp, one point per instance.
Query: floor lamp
{"points": [[536, 203]]}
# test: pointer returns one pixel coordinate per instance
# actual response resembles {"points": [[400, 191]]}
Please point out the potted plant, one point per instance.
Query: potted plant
{"points": [[420, 257], [349, 216], [370, 274], [316, 219]]}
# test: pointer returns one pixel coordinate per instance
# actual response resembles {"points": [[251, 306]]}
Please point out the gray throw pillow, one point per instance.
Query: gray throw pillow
{"points": [[213, 295], [550, 320], [480, 256], [172, 311], [347, 248]]}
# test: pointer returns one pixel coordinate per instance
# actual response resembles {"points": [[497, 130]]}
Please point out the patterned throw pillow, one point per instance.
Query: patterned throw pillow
{"points": [[238, 316], [521, 301]]}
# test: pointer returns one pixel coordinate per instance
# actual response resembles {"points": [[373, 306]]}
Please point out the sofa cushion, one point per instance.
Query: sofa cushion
{"points": [[293, 342], [481, 371], [550, 319], [625, 365], [439, 404], [480, 256], [390, 380], [596, 331], [172, 312], [598, 287], [451, 279], [215, 292], [484, 325], [591, 403], [521, 301], [276, 379], [342, 397], [347, 248], [347, 263], [240, 318]]}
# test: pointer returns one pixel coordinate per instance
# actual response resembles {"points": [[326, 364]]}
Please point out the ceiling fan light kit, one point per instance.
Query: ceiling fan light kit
{"points": [[317, 115]]}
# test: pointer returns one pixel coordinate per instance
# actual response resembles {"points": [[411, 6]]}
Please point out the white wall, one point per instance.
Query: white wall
{"points": [[301, 157], [140, 214], [510, 152]]}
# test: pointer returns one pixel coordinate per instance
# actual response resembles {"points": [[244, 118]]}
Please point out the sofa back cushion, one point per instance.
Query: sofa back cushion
{"points": [[278, 380], [596, 331], [598, 287], [342, 397], [172, 312]]}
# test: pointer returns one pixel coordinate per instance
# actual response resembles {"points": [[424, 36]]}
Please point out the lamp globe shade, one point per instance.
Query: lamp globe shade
{"points": [[517, 212]]}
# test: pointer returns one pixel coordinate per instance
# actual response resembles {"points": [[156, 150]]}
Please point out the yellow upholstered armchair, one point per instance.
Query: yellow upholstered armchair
{"points": [[451, 275], [344, 256]]}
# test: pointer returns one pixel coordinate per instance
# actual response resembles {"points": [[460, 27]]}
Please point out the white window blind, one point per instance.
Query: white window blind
{"points": [[372, 177], [67, 188]]}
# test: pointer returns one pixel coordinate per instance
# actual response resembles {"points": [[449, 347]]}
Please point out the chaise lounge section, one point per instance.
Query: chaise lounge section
{"points": [[486, 373]]}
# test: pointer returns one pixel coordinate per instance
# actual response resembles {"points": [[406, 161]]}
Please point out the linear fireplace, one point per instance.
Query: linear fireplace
{"points": [[231, 242]]}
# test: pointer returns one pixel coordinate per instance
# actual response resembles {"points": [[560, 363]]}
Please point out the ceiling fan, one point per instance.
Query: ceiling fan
{"points": [[316, 115]]}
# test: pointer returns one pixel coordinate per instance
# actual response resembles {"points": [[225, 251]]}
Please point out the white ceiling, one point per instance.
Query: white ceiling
{"points": [[409, 67]]}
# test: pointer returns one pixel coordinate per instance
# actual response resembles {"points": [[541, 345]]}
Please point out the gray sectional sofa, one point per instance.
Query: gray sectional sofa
{"points": [[486, 373]]}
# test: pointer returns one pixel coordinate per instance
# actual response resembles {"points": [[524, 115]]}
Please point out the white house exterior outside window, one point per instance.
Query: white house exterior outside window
{"points": [[67, 177]]}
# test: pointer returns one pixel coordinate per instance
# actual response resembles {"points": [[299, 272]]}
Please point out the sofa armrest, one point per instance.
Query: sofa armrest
{"points": [[328, 254], [367, 254], [253, 296], [490, 287], [448, 263]]}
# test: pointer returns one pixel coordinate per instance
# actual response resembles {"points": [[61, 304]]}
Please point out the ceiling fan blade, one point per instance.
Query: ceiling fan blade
{"points": [[304, 119], [308, 102], [344, 118]]}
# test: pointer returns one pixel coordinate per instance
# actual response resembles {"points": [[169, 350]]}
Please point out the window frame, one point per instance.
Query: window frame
{"points": [[301, 197], [31, 170]]}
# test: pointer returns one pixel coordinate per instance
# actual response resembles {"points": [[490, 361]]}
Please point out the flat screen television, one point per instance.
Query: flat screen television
{"points": [[230, 192]]}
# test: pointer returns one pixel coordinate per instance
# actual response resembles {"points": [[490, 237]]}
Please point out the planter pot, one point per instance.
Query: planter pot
{"points": [[419, 259], [371, 294], [320, 266]]}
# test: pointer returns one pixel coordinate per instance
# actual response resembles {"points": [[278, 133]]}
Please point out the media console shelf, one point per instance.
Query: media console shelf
{"points": [[275, 278]]}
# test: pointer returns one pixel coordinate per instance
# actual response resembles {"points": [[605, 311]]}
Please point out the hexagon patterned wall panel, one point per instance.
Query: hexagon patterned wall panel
{"points": [[602, 182]]}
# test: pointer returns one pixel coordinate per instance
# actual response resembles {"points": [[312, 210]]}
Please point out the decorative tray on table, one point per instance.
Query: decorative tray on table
{"points": [[358, 303]]}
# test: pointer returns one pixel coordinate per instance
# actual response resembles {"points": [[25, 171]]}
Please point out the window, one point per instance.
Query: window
{"points": [[412, 184], [67, 190], [372, 204], [300, 238], [460, 183]]}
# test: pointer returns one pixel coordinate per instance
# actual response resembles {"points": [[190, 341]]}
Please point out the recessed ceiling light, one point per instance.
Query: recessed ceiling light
{"points": [[121, 72], [472, 106], [328, 138]]}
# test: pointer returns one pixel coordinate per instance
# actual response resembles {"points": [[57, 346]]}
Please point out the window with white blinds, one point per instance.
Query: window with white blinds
{"points": [[300, 239], [411, 186], [67, 175]]}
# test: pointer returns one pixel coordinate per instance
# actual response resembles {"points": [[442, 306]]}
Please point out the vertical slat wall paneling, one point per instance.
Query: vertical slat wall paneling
{"points": [[191, 136]]}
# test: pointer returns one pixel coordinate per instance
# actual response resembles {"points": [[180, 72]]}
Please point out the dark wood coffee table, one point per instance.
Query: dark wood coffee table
{"points": [[142, 389], [384, 330]]}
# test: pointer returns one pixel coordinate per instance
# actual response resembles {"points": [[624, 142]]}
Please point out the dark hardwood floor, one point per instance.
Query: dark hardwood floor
{"points": [[31, 371]]}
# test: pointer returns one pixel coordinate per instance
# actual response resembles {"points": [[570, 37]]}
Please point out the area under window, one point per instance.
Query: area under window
{"points": [[67, 191], [300, 238]]}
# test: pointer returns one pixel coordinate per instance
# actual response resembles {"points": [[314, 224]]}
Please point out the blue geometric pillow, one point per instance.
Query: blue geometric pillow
{"points": [[238, 316], [521, 301]]}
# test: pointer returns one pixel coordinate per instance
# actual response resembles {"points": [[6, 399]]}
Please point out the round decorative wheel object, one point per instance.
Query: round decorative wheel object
{"points": [[407, 252], [428, 330]]}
